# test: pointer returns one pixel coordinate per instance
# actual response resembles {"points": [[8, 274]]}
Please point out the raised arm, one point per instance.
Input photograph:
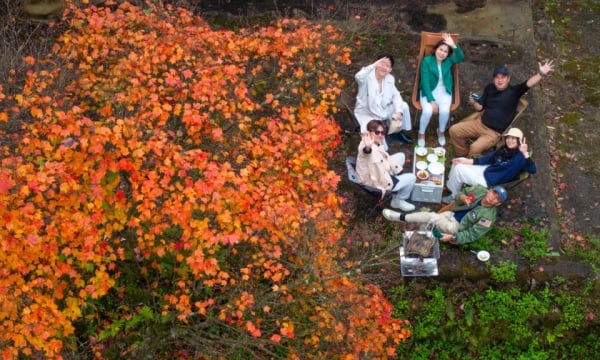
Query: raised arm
{"points": [[543, 70], [529, 163]]}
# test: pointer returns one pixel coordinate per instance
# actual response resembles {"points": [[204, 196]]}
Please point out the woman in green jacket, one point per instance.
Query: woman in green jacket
{"points": [[436, 86]]}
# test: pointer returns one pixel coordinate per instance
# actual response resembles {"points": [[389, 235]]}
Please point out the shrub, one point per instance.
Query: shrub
{"points": [[164, 162]]}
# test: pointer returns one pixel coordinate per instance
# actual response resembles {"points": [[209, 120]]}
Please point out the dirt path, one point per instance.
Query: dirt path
{"points": [[568, 30]]}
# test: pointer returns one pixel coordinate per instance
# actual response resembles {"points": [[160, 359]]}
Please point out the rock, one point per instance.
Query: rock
{"points": [[43, 8]]}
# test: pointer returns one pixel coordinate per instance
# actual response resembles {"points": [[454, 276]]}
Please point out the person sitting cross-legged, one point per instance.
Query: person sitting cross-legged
{"points": [[470, 218]]}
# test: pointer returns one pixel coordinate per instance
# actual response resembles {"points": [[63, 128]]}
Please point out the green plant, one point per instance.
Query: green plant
{"points": [[497, 324], [506, 271], [496, 236], [380, 40], [535, 243], [588, 251]]}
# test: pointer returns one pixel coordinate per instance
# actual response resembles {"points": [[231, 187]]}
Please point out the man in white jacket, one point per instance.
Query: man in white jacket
{"points": [[379, 99]]}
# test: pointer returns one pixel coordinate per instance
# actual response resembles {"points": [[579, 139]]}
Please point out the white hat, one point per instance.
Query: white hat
{"points": [[516, 133]]}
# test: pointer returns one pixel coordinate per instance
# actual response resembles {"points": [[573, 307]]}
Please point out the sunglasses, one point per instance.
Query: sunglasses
{"points": [[379, 132]]}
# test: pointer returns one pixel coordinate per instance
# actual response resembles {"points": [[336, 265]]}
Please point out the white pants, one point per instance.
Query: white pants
{"points": [[445, 222], [443, 101], [405, 183], [406, 121], [465, 174]]}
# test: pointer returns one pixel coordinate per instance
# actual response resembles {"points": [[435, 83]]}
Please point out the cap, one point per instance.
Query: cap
{"points": [[501, 70], [516, 133], [502, 193]]}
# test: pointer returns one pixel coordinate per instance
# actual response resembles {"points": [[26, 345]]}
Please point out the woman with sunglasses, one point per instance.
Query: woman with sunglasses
{"points": [[376, 168]]}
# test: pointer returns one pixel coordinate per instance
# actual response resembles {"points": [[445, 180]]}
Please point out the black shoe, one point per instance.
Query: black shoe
{"points": [[405, 138]]}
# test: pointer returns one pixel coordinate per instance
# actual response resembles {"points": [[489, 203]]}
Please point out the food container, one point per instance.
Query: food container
{"points": [[429, 169], [421, 165], [421, 151], [422, 175], [432, 158]]}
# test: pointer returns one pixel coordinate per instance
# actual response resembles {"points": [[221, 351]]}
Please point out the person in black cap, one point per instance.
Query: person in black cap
{"points": [[379, 99], [499, 100]]}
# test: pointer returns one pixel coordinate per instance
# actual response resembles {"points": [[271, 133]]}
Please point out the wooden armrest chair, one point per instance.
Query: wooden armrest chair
{"points": [[428, 41], [375, 193]]}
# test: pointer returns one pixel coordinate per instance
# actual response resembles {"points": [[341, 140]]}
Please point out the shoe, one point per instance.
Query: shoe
{"points": [[448, 199], [421, 141], [441, 138], [403, 205], [405, 138], [391, 215]]}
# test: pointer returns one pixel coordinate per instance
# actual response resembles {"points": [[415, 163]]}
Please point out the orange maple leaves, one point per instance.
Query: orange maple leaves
{"points": [[191, 150]]}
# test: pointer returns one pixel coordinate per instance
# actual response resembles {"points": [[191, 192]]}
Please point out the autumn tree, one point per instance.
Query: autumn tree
{"points": [[168, 191]]}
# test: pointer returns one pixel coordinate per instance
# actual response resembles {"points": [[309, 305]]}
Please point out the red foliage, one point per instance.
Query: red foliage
{"points": [[172, 143]]}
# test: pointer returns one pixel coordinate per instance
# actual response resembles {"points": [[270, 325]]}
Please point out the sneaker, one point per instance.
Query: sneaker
{"points": [[442, 140], [448, 199], [421, 141], [403, 205], [391, 215]]}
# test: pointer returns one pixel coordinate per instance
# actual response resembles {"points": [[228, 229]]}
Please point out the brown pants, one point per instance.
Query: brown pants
{"points": [[471, 128]]}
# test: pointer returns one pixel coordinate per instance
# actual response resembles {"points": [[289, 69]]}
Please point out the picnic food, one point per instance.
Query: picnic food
{"points": [[422, 175]]}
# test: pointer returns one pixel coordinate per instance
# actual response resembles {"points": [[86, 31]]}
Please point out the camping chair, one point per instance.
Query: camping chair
{"points": [[521, 107], [380, 199], [428, 41], [523, 175]]}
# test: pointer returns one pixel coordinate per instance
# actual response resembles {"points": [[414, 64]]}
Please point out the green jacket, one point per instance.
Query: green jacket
{"points": [[430, 73], [479, 220]]}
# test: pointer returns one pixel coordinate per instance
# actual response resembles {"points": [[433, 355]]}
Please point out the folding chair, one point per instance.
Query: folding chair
{"points": [[380, 199], [428, 42], [523, 175], [521, 107]]}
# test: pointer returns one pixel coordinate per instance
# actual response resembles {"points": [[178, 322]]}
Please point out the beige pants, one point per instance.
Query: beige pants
{"points": [[471, 128], [445, 222]]}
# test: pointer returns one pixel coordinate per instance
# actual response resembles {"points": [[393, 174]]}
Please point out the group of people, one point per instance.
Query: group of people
{"points": [[473, 182]]}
